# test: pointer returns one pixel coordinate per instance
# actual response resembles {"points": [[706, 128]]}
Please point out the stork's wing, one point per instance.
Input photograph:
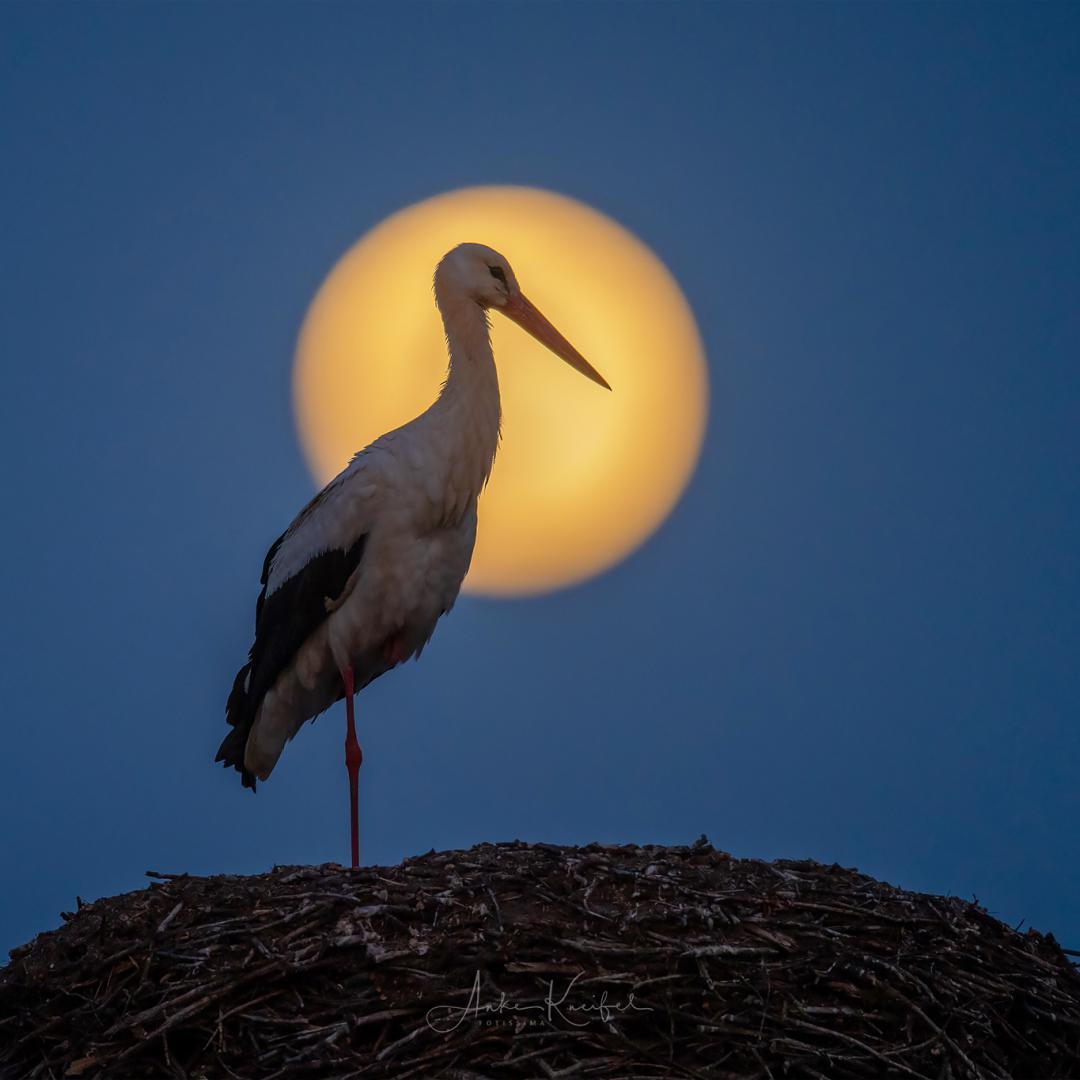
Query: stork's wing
{"points": [[309, 564]]}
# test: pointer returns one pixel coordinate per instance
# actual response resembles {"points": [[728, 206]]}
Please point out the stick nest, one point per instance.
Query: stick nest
{"points": [[531, 960]]}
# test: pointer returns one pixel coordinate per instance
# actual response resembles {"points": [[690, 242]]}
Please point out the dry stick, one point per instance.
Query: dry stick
{"points": [[865, 1047], [941, 1033]]}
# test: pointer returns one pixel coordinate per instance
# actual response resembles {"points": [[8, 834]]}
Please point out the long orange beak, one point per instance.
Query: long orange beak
{"points": [[529, 317]]}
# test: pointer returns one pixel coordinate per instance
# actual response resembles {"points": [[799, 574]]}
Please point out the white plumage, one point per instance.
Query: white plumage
{"points": [[358, 581]]}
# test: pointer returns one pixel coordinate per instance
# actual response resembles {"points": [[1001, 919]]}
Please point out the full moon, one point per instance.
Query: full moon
{"points": [[582, 476]]}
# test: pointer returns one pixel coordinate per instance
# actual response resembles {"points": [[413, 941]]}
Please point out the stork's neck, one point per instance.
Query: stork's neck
{"points": [[468, 407]]}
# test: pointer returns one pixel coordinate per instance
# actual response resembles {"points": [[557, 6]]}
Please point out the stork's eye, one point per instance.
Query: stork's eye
{"points": [[497, 273]]}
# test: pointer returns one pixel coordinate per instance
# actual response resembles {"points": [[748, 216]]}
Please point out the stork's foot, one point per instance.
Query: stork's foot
{"points": [[353, 757]]}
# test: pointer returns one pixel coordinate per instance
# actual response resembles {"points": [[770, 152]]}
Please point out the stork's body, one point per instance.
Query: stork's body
{"points": [[358, 581]]}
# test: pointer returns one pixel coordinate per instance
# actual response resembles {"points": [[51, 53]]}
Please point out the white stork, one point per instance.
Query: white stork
{"points": [[356, 584]]}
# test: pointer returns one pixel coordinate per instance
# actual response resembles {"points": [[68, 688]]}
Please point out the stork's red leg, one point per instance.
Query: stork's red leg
{"points": [[353, 758]]}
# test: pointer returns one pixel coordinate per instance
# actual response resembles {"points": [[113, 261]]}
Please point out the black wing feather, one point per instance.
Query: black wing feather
{"points": [[283, 622]]}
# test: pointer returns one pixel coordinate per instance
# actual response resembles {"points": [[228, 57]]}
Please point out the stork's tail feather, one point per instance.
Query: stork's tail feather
{"points": [[240, 718]]}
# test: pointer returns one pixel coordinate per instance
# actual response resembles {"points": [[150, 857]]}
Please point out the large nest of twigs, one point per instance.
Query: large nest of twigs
{"points": [[518, 960]]}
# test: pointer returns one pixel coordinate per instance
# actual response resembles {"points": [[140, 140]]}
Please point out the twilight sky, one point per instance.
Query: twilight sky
{"points": [[856, 639]]}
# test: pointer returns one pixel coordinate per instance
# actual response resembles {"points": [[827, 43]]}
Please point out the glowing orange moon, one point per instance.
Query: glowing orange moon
{"points": [[583, 476]]}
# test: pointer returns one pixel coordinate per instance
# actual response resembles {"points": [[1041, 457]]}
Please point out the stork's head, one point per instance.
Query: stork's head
{"points": [[480, 274]]}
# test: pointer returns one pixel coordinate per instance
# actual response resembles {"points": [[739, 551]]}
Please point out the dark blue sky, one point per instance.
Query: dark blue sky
{"points": [[856, 639]]}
